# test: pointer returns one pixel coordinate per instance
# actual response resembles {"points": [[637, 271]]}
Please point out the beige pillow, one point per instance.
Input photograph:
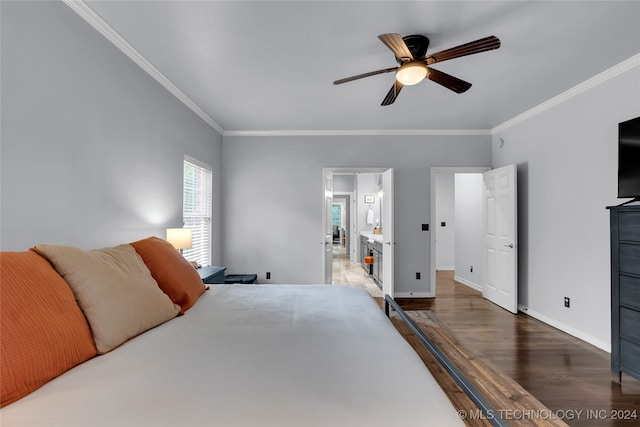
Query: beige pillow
{"points": [[115, 290]]}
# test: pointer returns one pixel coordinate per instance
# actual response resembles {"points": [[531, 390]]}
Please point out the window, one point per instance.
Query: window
{"points": [[196, 209], [337, 211]]}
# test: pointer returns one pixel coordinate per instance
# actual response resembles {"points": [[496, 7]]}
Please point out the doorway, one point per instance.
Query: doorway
{"points": [[341, 222], [348, 220], [456, 218], [495, 248], [347, 268]]}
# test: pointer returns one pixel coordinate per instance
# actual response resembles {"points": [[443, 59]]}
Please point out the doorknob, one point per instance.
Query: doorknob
{"points": [[389, 243], [509, 246]]}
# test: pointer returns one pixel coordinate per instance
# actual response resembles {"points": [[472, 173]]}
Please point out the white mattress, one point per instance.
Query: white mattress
{"points": [[247, 355]]}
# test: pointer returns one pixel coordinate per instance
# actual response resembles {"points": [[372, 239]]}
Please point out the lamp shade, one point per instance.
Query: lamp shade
{"points": [[411, 73], [180, 238]]}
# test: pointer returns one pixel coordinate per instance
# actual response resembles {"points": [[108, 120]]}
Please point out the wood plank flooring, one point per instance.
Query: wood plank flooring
{"points": [[568, 376], [510, 402]]}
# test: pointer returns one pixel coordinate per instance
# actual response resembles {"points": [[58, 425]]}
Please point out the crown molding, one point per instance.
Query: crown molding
{"points": [[594, 81], [363, 132], [99, 24], [93, 19]]}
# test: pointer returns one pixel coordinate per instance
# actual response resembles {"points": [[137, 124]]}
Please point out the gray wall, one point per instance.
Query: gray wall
{"points": [[344, 183], [567, 175], [367, 185], [273, 198], [92, 147], [445, 212], [469, 234]]}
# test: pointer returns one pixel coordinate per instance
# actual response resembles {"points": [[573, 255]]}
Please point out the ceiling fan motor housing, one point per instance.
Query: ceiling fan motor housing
{"points": [[417, 44]]}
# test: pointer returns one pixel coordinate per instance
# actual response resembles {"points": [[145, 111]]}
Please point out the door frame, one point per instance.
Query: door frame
{"points": [[388, 233], [432, 251], [327, 232], [345, 170], [342, 203], [349, 198]]}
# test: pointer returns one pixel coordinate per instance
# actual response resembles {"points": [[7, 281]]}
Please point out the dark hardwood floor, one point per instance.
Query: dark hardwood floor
{"points": [[570, 377]]}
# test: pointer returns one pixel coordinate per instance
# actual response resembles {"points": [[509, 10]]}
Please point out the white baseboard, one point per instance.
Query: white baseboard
{"points": [[446, 268], [468, 283], [412, 295], [606, 346]]}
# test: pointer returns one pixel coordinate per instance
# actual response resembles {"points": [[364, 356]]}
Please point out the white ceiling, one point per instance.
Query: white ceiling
{"points": [[269, 65]]}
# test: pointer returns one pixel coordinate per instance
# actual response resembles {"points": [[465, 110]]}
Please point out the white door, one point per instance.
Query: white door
{"points": [[501, 238], [387, 232], [327, 224]]}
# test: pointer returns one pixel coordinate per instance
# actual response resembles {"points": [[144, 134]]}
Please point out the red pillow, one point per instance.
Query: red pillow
{"points": [[174, 274], [43, 332]]}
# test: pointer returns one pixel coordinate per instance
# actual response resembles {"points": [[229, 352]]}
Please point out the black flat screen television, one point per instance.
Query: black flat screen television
{"points": [[629, 159]]}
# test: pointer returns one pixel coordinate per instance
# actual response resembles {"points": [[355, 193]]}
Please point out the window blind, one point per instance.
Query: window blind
{"points": [[196, 210]]}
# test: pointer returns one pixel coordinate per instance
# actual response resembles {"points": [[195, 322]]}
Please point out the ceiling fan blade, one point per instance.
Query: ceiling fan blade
{"points": [[397, 45], [361, 76], [482, 45], [448, 81], [392, 94]]}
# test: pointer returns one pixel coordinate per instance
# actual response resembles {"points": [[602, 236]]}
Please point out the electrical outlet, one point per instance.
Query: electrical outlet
{"points": [[268, 275], [567, 302], [418, 275]]}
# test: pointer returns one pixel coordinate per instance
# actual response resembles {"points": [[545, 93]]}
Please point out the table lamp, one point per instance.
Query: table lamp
{"points": [[180, 238]]}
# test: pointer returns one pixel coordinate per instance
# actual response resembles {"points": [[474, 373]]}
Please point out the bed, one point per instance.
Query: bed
{"points": [[251, 355]]}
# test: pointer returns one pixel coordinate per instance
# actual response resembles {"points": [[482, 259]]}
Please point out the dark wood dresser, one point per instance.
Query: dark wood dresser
{"points": [[625, 290]]}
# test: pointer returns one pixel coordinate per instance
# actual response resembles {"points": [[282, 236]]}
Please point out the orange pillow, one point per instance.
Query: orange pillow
{"points": [[174, 274], [43, 332]]}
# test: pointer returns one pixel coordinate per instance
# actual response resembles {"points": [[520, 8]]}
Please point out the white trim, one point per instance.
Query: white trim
{"points": [[445, 268], [198, 162], [412, 295], [468, 283], [606, 346], [598, 79], [93, 19], [361, 132]]}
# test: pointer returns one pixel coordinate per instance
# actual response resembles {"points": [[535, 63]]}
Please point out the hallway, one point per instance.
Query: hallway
{"points": [[347, 272]]}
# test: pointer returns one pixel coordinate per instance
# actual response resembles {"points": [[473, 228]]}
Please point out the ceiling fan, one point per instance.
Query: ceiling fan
{"points": [[411, 54]]}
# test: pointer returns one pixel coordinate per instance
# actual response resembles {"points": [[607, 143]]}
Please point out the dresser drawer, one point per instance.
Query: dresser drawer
{"points": [[629, 226], [629, 258], [630, 324], [630, 292], [630, 357]]}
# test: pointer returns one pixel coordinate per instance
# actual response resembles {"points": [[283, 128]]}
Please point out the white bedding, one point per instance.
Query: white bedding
{"points": [[247, 355]]}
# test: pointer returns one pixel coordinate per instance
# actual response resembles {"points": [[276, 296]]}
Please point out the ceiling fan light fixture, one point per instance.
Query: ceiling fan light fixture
{"points": [[411, 73], [411, 54]]}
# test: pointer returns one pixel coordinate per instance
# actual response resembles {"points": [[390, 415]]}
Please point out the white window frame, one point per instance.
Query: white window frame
{"points": [[197, 210]]}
